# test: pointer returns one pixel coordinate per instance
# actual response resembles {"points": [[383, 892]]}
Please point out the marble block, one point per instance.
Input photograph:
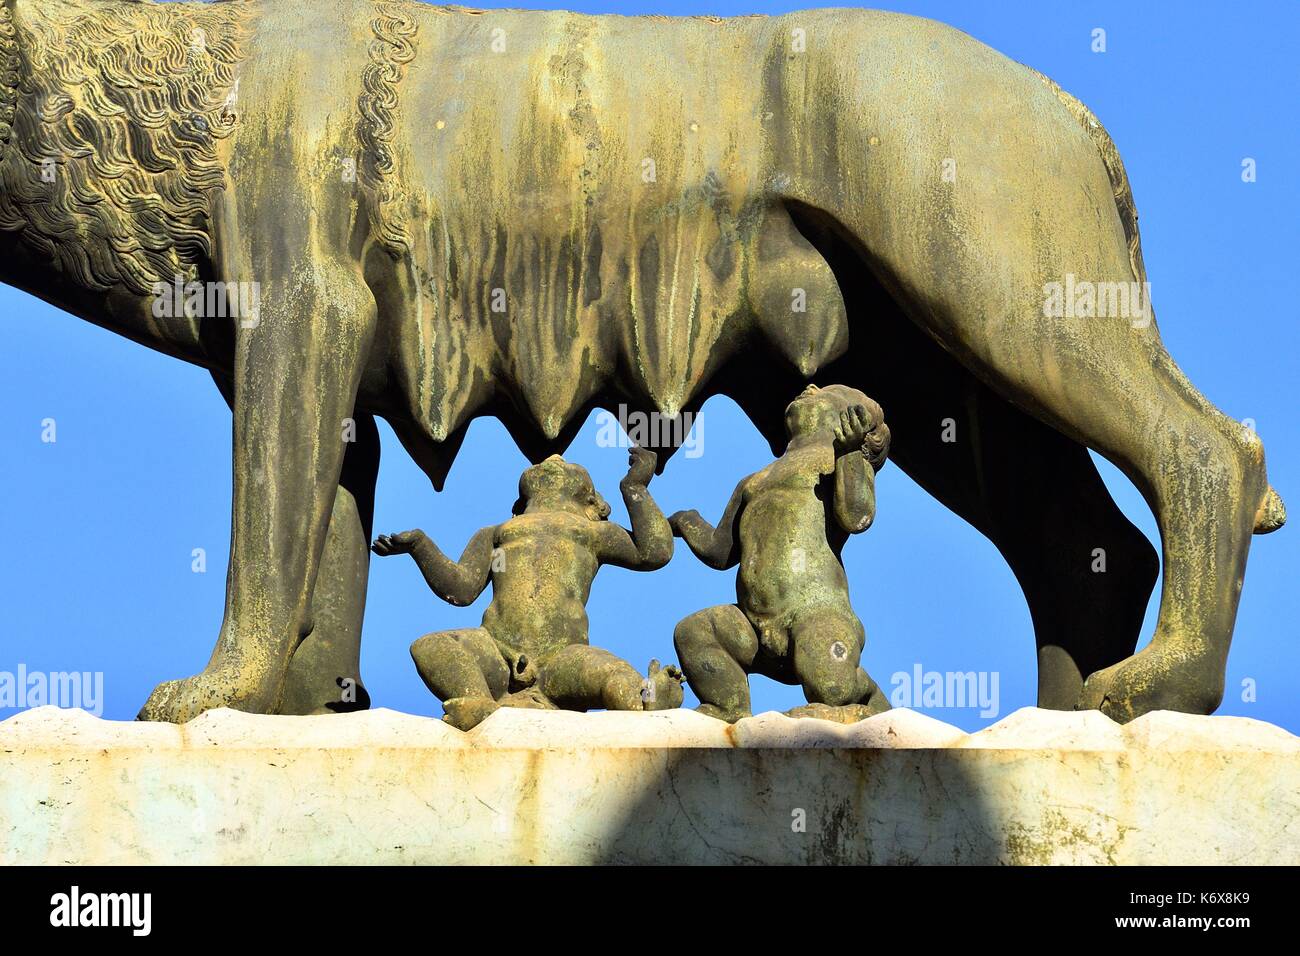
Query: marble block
{"points": [[549, 787]]}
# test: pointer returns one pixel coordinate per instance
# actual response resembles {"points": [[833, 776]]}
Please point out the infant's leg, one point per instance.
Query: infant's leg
{"points": [[873, 696], [580, 677], [717, 647], [827, 648], [465, 671]]}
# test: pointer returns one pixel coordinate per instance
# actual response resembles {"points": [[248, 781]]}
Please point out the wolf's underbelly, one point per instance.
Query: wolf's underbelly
{"points": [[598, 209], [554, 313]]}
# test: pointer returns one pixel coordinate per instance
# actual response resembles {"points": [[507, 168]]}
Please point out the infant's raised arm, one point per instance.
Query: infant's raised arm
{"points": [[650, 545], [456, 582], [855, 492], [717, 547]]}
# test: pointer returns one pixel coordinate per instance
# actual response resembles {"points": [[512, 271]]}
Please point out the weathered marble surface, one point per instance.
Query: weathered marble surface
{"points": [[671, 787]]}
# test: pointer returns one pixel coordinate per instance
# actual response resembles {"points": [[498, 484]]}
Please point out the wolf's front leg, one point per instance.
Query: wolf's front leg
{"points": [[297, 368]]}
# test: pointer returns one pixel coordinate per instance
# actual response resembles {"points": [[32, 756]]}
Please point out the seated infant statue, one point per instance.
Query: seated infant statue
{"points": [[531, 649]]}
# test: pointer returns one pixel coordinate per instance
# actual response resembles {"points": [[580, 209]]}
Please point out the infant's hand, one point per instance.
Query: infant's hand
{"points": [[855, 423], [401, 543], [640, 465], [876, 446], [680, 520]]}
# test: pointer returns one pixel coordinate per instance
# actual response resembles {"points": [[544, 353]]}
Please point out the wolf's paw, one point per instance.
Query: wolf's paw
{"points": [[1152, 679], [179, 701]]}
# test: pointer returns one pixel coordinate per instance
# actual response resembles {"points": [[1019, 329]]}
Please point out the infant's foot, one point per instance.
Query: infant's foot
{"points": [[730, 716], [662, 689], [466, 713], [877, 703], [529, 699], [843, 714]]}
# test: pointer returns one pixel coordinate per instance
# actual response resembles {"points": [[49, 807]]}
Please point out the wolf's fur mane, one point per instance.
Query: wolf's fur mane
{"points": [[110, 120]]}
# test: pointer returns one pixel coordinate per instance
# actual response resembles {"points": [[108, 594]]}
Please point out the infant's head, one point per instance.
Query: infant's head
{"points": [[819, 410], [558, 485]]}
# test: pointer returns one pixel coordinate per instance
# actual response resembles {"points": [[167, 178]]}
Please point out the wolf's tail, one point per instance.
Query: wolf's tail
{"points": [[1110, 158], [1271, 514]]}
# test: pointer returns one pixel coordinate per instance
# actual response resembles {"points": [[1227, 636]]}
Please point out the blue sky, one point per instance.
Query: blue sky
{"points": [[100, 526]]}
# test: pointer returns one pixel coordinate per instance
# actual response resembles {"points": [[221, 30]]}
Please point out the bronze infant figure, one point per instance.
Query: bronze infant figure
{"points": [[531, 649], [785, 527]]}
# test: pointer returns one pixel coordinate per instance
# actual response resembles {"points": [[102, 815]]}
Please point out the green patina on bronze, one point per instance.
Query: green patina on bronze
{"points": [[532, 650], [454, 213]]}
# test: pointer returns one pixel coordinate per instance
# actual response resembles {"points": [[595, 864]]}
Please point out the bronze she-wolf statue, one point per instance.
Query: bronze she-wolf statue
{"points": [[448, 213]]}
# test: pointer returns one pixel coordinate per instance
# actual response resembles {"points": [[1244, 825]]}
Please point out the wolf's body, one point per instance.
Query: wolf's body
{"points": [[552, 211]]}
